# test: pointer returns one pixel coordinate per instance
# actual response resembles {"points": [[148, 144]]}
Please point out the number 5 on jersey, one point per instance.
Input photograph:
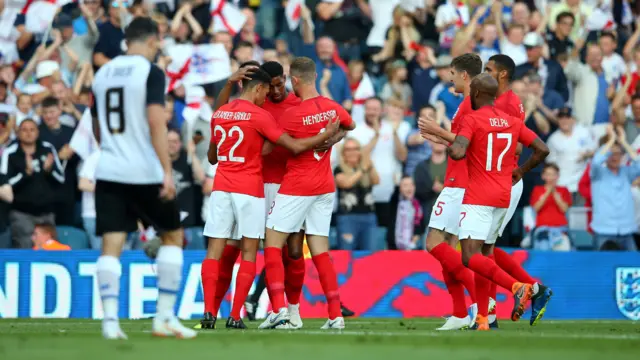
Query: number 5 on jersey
{"points": [[223, 136], [499, 136]]}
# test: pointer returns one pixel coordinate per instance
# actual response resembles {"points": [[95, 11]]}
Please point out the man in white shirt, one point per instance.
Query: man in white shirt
{"points": [[385, 139], [571, 146]]}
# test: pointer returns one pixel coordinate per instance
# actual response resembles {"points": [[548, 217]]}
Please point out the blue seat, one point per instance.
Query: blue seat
{"points": [[195, 238], [582, 240], [76, 238]]}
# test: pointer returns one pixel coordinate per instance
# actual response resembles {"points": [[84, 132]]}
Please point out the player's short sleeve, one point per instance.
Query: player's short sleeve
{"points": [[345, 117], [526, 136], [466, 128], [268, 127], [155, 86]]}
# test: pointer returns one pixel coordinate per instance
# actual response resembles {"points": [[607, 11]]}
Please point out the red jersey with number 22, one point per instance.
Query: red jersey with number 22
{"points": [[238, 129], [309, 173], [275, 163], [456, 174], [493, 137]]}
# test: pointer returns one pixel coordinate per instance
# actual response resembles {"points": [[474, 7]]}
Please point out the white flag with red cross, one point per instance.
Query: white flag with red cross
{"points": [[293, 11], [197, 65], [83, 142], [226, 17]]}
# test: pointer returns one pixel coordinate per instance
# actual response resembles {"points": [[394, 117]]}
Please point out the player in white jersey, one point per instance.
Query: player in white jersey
{"points": [[133, 175]]}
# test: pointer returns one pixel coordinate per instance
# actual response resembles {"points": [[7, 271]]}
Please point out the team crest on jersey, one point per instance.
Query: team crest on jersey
{"points": [[628, 291], [199, 63]]}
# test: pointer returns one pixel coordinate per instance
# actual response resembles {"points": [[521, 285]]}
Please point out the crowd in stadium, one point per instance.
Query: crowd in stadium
{"points": [[386, 61]]}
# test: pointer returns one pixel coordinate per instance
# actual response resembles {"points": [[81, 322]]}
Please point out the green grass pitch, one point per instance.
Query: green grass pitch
{"points": [[388, 339]]}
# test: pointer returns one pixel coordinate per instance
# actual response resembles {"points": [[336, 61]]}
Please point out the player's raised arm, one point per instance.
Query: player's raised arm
{"points": [[540, 152], [243, 73]]}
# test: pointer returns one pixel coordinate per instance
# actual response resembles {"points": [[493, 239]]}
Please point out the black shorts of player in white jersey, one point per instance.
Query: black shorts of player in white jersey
{"points": [[118, 206]]}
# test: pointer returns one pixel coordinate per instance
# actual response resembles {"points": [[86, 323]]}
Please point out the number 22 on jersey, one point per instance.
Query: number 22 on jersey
{"points": [[236, 132], [500, 138]]}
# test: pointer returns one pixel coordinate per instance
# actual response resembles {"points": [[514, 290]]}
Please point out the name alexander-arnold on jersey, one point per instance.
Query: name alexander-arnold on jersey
{"points": [[232, 115]]}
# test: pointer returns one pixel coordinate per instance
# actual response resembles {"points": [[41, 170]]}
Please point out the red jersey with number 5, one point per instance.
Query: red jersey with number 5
{"points": [[310, 173], [238, 129], [274, 164], [493, 136], [456, 174]]}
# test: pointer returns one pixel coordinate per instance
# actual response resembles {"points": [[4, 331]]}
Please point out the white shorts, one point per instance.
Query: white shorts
{"points": [[232, 216], [445, 214], [479, 222], [289, 213], [516, 194], [270, 192]]}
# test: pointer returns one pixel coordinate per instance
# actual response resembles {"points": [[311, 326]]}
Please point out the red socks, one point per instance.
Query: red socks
{"points": [[329, 282], [209, 273], [244, 280], [482, 294], [451, 262], [294, 279], [506, 263], [228, 260], [456, 290], [275, 276], [487, 268]]}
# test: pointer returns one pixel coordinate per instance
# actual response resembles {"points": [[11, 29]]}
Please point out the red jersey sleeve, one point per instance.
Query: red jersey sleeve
{"points": [[467, 127], [267, 127], [345, 117], [536, 193], [526, 136]]}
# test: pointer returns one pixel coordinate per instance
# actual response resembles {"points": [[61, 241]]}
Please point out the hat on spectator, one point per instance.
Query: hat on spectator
{"points": [[46, 68], [443, 61], [532, 40], [564, 113], [63, 21]]}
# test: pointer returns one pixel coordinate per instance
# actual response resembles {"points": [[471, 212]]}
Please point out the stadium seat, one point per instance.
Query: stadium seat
{"points": [[195, 238], [74, 237], [582, 240]]}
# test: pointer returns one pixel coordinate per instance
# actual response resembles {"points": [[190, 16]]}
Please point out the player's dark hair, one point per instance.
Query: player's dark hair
{"points": [[565, 14], [140, 29], [551, 166], [273, 68], [608, 34], [48, 228], [470, 63], [249, 63], [504, 63], [304, 68], [258, 77], [50, 101]]}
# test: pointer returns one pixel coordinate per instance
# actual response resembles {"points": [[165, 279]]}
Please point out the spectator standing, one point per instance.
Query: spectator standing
{"points": [[385, 140], [425, 73], [541, 107], [558, 40], [53, 132], [396, 86], [613, 207], [44, 238], [87, 184], [188, 174], [346, 24], [418, 148], [571, 146], [400, 37], [78, 48], [613, 64], [356, 217], [511, 42], [448, 22], [409, 226], [34, 171], [550, 72], [578, 8], [550, 201], [429, 178], [111, 40], [92, 11], [632, 124]]}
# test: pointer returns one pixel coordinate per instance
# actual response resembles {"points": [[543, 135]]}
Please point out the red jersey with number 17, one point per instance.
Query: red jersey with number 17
{"points": [[456, 174], [238, 129], [274, 164], [310, 173], [493, 137]]}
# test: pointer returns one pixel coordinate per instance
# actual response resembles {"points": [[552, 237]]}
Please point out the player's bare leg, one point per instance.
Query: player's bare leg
{"points": [[456, 277], [473, 258], [169, 269], [210, 273], [279, 317], [294, 276], [244, 280], [109, 270], [319, 248]]}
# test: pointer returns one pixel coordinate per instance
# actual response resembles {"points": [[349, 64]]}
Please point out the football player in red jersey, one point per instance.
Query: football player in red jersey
{"points": [[445, 216], [238, 132], [304, 199], [502, 67], [488, 139]]}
